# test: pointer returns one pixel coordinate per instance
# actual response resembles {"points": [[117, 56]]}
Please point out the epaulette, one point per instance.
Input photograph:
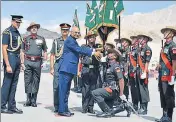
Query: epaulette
{"points": [[6, 31]]}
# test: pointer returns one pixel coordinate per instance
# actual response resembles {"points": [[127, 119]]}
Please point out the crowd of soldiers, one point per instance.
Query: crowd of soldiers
{"points": [[107, 80]]}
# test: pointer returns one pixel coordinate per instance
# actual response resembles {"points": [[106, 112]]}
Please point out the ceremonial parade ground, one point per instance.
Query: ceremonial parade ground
{"points": [[44, 111]]}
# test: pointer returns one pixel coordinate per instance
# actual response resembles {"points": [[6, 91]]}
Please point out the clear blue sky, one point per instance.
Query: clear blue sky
{"points": [[50, 11]]}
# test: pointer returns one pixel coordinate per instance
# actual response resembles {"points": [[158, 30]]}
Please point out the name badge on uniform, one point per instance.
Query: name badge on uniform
{"points": [[142, 53], [39, 41], [165, 50]]}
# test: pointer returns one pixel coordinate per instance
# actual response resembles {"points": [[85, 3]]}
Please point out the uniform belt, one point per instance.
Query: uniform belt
{"points": [[15, 54], [89, 66], [33, 58]]}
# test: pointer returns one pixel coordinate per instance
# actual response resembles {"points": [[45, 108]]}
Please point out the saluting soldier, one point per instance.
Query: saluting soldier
{"points": [[33, 47], [132, 72], [167, 74], [11, 45], [89, 74], [144, 57], [56, 52], [113, 86], [126, 43]]}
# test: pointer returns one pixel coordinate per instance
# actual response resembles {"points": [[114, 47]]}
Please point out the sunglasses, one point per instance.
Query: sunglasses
{"points": [[64, 29]]}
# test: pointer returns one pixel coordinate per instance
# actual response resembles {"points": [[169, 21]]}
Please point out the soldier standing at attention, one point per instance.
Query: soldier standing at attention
{"points": [[125, 63], [144, 57], [132, 73], [56, 52], [11, 45], [167, 70], [33, 46], [90, 71]]}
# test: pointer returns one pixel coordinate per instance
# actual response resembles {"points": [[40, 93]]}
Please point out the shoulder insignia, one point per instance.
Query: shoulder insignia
{"points": [[5, 32], [174, 50], [148, 52]]}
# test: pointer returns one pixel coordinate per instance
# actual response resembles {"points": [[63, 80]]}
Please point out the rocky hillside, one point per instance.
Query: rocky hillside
{"points": [[45, 33]]}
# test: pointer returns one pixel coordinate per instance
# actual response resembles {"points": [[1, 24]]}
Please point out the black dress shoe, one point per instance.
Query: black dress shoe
{"points": [[71, 113], [66, 114], [55, 111], [17, 111], [6, 111]]}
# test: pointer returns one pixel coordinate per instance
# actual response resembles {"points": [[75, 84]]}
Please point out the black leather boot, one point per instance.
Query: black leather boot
{"points": [[28, 101], [143, 109], [164, 118], [90, 110], [128, 109], [33, 100], [106, 110], [118, 109], [170, 113]]}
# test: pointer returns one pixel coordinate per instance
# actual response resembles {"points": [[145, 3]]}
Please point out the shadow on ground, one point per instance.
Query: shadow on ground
{"points": [[23, 102], [94, 115], [149, 118], [79, 109], [51, 108]]}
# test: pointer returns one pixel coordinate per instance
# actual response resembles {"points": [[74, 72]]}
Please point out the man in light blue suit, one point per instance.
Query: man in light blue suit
{"points": [[68, 65]]}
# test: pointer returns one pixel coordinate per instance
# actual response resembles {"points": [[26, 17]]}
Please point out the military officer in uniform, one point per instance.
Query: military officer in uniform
{"points": [[144, 57], [11, 45], [56, 53], [113, 86], [33, 47], [132, 72], [167, 74], [125, 63], [89, 74]]}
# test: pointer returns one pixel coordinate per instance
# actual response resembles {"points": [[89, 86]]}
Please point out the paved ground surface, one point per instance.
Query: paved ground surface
{"points": [[44, 111]]}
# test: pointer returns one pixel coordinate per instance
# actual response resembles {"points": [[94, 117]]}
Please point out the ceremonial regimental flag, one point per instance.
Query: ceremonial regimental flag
{"points": [[118, 5], [107, 18], [94, 11], [88, 17], [75, 20]]}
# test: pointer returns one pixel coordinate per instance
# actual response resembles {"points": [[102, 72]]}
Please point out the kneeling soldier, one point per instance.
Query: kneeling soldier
{"points": [[105, 96]]}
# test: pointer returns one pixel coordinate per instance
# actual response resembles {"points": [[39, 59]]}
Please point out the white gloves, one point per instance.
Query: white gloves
{"points": [[118, 45], [173, 81], [123, 97], [103, 59], [144, 75]]}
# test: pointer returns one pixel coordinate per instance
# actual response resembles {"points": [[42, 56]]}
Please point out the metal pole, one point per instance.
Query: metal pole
{"points": [[119, 26], [86, 34]]}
